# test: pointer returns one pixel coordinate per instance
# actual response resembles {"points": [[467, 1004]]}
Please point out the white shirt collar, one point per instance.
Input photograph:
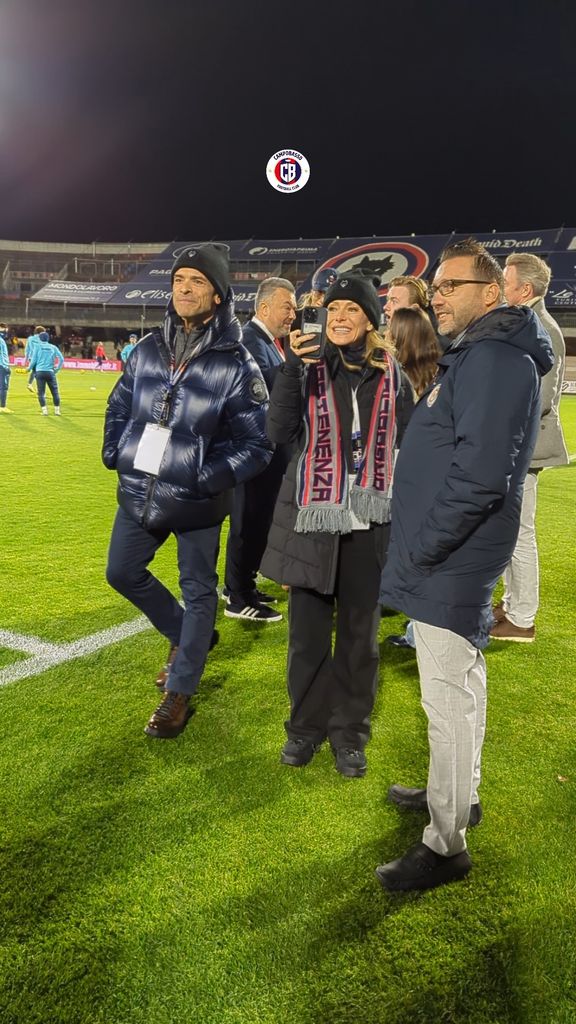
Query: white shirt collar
{"points": [[262, 327]]}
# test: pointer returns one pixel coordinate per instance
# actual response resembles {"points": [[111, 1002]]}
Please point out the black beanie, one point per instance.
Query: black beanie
{"points": [[212, 260], [360, 289]]}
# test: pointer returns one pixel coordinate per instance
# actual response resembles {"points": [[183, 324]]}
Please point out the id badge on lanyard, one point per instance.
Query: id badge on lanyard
{"points": [[151, 448], [156, 436]]}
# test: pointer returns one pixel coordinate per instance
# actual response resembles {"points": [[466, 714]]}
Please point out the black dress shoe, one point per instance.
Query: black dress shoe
{"points": [[415, 800], [399, 641], [422, 868], [298, 752]]}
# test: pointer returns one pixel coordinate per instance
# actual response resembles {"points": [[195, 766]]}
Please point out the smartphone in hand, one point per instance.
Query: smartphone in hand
{"points": [[314, 319]]}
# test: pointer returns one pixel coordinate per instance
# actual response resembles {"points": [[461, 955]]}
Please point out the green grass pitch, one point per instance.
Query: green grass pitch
{"points": [[198, 880]]}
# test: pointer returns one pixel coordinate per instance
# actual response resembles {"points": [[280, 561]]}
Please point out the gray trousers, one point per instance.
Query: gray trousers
{"points": [[521, 576], [453, 687]]}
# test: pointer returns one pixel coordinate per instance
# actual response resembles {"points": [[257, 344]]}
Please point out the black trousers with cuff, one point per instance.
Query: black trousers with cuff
{"points": [[332, 690]]}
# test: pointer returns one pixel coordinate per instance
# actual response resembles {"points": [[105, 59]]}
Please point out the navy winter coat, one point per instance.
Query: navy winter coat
{"points": [[216, 411], [263, 350], [459, 474]]}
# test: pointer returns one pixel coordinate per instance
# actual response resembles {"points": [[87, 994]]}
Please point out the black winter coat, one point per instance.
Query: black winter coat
{"points": [[311, 559], [459, 476], [216, 411]]}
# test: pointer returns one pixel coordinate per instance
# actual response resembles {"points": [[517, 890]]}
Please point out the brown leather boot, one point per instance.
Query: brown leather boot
{"points": [[163, 674], [498, 612], [165, 671], [171, 716]]}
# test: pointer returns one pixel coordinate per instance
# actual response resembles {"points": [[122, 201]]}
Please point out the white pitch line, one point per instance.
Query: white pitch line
{"points": [[56, 654], [23, 642]]}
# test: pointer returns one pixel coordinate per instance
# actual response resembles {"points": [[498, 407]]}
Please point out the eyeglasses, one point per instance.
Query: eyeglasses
{"points": [[447, 287]]}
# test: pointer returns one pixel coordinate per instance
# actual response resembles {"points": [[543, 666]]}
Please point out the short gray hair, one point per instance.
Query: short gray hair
{"points": [[531, 270], [269, 286]]}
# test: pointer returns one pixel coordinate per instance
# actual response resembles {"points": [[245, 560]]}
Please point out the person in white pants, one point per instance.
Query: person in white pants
{"points": [[526, 282], [455, 513]]}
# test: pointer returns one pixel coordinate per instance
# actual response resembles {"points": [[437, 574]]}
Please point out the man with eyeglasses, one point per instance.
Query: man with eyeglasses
{"points": [[455, 516]]}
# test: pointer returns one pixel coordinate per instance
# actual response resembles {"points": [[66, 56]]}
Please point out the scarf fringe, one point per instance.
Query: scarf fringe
{"points": [[369, 505], [323, 519]]}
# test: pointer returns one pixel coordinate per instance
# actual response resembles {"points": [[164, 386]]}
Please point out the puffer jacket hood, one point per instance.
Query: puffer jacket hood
{"points": [[511, 325], [222, 331]]}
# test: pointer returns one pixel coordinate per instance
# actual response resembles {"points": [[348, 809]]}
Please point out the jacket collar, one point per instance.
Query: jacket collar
{"points": [[223, 331]]}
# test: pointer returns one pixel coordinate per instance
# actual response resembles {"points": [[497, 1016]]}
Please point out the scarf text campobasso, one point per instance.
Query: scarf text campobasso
{"points": [[323, 496]]}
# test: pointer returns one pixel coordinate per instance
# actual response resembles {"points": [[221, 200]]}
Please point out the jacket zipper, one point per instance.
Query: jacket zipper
{"points": [[162, 422]]}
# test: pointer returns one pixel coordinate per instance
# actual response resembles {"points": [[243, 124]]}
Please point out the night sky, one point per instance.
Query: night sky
{"points": [[152, 121]]}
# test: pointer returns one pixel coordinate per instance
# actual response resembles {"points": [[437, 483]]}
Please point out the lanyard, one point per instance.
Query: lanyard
{"points": [[357, 451], [176, 373]]}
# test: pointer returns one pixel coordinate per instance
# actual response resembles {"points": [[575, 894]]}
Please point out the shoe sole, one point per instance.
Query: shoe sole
{"points": [[515, 639], [352, 773], [168, 733], [423, 882], [251, 618]]}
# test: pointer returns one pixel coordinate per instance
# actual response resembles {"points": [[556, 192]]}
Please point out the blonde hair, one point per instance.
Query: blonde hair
{"points": [[531, 270], [375, 345], [307, 299], [417, 289]]}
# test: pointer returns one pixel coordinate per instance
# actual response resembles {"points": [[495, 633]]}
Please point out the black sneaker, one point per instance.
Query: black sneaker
{"points": [[258, 595], [298, 752], [253, 612], [350, 762]]}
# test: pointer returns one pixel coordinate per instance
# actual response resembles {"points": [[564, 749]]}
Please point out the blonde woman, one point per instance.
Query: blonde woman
{"points": [[345, 413]]}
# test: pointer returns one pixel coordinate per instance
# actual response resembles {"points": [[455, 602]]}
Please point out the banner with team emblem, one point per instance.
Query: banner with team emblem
{"points": [[384, 258]]}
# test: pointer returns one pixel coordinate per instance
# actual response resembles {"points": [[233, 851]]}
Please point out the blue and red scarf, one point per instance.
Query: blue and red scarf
{"points": [[323, 495]]}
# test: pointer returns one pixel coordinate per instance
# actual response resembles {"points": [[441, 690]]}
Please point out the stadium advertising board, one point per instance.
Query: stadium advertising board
{"points": [[384, 256], [82, 292]]}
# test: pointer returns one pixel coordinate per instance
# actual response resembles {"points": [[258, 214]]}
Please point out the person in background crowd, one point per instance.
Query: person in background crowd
{"points": [[345, 414], [128, 348], [47, 361], [31, 345], [404, 292], [253, 502], [100, 355], [455, 515], [526, 281], [5, 370], [185, 423], [417, 350], [322, 280]]}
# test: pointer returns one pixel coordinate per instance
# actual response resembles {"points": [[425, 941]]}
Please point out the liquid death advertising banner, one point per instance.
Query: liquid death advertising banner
{"points": [[384, 257]]}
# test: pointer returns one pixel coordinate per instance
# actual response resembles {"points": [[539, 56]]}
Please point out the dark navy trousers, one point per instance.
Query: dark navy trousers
{"points": [[132, 548]]}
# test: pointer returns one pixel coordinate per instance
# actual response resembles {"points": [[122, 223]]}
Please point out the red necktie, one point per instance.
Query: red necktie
{"points": [[280, 347]]}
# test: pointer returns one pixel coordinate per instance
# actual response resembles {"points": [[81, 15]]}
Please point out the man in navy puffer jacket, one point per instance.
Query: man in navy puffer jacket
{"points": [[455, 515], [184, 424]]}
